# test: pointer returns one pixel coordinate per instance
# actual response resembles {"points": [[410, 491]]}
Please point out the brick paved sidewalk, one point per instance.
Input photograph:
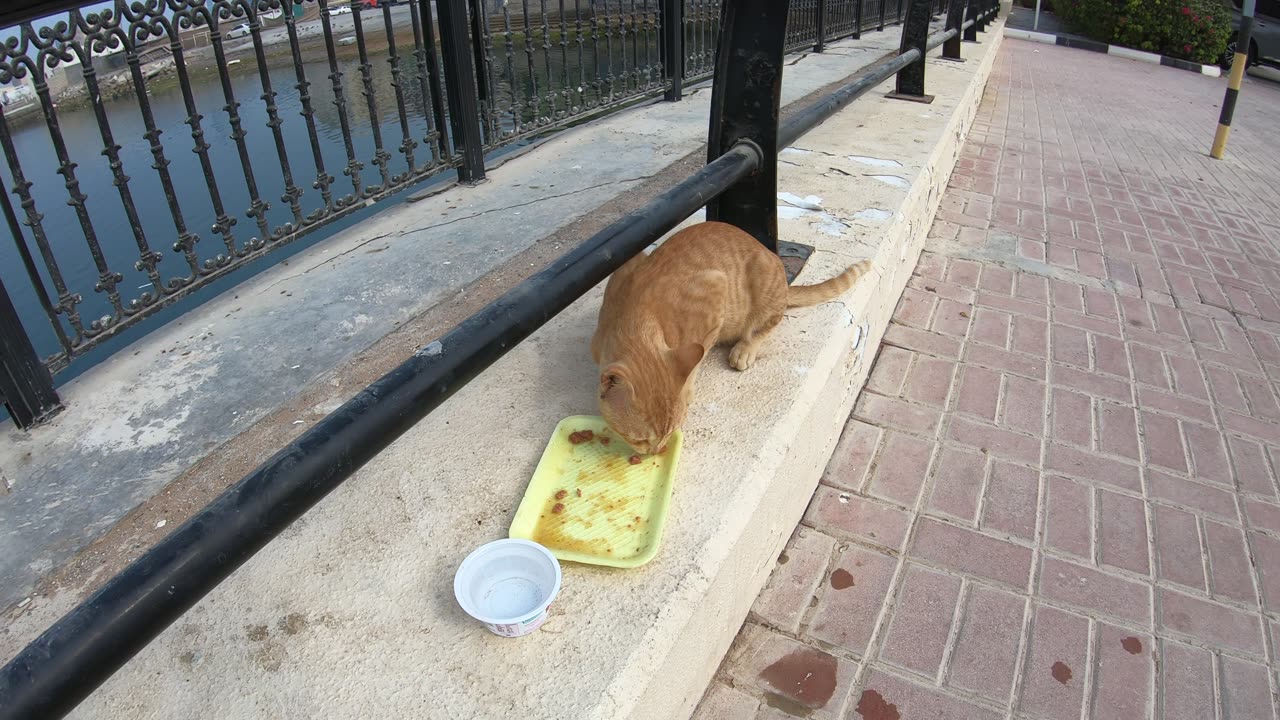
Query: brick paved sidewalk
{"points": [[1057, 497]]}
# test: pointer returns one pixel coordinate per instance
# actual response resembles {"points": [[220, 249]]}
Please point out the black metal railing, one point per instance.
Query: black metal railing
{"points": [[328, 111], [738, 185], [151, 149]]}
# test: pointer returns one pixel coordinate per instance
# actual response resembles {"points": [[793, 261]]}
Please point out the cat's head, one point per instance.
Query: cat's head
{"points": [[645, 400]]}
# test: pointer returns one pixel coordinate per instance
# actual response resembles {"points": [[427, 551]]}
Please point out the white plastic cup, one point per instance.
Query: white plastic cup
{"points": [[508, 585]]}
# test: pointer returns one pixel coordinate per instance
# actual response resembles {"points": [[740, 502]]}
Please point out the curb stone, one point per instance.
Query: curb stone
{"points": [[1094, 46]]}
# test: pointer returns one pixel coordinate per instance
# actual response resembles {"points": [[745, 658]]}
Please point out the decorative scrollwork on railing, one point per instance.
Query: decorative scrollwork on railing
{"points": [[114, 193], [239, 74]]}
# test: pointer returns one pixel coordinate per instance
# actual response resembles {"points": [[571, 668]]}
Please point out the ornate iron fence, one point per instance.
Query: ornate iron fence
{"points": [[541, 67], [156, 146]]}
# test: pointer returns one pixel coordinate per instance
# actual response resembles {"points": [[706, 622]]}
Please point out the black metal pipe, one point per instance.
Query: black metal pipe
{"points": [[805, 120], [80, 651], [940, 39]]}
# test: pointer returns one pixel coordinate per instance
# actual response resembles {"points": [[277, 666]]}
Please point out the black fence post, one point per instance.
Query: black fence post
{"points": [[971, 12], [478, 21], [955, 18], [857, 19], [26, 387], [883, 4], [460, 87], [672, 22], [915, 35], [822, 26], [744, 109]]}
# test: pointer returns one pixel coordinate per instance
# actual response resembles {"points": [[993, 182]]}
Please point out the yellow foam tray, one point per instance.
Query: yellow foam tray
{"points": [[613, 512]]}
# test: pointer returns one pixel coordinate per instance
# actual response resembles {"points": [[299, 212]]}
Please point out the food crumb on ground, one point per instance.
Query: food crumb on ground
{"points": [[578, 492], [559, 508], [581, 436], [605, 440], [635, 459], [560, 494]]}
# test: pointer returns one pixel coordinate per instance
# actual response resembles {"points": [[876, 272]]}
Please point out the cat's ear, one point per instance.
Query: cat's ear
{"points": [[686, 358], [613, 382]]}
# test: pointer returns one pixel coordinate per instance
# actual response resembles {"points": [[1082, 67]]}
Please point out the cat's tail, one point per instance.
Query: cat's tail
{"points": [[806, 295]]}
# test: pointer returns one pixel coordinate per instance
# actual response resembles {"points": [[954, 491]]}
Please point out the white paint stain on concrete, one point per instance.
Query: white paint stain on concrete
{"points": [[892, 180], [874, 162], [809, 202], [873, 214]]}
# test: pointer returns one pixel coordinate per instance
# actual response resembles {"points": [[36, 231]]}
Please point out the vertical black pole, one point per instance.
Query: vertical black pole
{"points": [[955, 18], [915, 34], [883, 4], [973, 8], [672, 22], [822, 26], [460, 87], [478, 21], [744, 107], [857, 19], [433, 75], [26, 388]]}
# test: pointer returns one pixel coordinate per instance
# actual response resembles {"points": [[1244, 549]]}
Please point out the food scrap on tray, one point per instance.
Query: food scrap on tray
{"points": [[581, 436]]}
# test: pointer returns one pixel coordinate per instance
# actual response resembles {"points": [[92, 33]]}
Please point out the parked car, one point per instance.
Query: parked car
{"points": [[1265, 45], [238, 31], [339, 10]]}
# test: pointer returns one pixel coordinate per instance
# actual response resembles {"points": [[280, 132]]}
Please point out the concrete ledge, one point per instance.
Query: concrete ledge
{"points": [[1124, 52], [350, 612]]}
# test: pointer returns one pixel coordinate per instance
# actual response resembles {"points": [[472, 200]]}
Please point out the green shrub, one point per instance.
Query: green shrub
{"points": [[1195, 30]]}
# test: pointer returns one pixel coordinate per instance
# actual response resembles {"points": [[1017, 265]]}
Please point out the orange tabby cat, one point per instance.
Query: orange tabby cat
{"points": [[710, 283]]}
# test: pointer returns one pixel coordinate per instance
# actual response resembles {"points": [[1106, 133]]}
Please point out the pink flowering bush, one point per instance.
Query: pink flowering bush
{"points": [[1196, 30]]}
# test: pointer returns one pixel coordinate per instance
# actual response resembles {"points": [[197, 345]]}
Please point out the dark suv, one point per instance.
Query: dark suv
{"points": [[1265, 46]]}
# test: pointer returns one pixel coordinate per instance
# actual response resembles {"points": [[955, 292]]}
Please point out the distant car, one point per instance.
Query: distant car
{"points": [[340, 10], [1265, 44], [238, 31]]}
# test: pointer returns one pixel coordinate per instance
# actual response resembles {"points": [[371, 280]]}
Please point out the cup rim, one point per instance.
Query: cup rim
{"points": [[488, 548]]}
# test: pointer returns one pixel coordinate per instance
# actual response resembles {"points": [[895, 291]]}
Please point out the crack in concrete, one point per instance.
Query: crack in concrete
{"points": [[527, 203], [335, 257]]}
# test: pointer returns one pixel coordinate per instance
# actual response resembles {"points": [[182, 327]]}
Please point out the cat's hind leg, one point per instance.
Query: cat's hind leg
{"points": [[743, 355]]}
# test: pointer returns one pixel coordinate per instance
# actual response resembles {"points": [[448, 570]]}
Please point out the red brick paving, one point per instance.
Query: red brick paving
{"points": [[1057, 496]]}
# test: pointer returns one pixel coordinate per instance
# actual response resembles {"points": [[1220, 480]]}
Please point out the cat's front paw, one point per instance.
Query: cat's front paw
{"points": [[742, 356]]}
